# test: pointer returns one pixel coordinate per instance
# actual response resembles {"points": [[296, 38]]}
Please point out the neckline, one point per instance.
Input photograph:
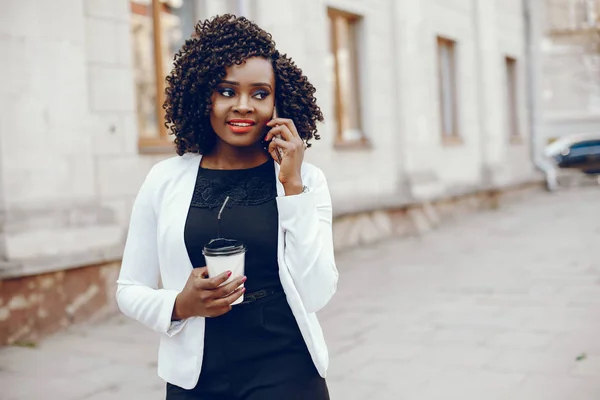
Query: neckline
{"points": [[268, 162]]}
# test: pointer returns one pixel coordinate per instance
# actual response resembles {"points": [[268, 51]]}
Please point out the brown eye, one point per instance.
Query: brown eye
{"points": [[261, 95], [226, 92]]}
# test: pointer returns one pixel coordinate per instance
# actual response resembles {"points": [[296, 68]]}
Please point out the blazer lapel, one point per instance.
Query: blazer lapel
{"points": [[280, 190], [280, 236], [178, 207]]}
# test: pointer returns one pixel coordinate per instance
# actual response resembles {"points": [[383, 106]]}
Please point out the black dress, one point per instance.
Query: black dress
{"points": [[255, 351]]}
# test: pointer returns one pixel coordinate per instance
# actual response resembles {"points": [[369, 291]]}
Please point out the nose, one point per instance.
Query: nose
{"points": [[243, 106]]}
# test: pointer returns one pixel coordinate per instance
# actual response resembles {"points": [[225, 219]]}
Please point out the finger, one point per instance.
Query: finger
{"points": [[287, 148], [200, 277], [276, 156], [214, 282], [200, 272], [287, 132], [226, 301], [281, 130], [277, 149], [287, 123], [278, 143], [277, 121], [273, 133], [225, 290]]}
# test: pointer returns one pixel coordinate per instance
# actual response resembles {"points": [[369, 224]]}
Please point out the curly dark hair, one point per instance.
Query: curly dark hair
{"points": [[199, 66]]}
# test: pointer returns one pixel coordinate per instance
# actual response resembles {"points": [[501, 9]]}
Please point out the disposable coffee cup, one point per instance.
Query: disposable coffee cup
{"points": [[225, 255]]}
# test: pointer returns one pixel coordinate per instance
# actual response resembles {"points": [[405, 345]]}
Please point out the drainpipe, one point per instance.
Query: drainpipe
{"points": [[403, 185], [486, 174], [531, 48], [242, 8]]}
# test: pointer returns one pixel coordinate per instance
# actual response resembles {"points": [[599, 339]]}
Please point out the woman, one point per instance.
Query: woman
{"points": [[222, 94]]}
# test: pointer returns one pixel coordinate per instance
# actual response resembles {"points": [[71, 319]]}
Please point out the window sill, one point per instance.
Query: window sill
{"points": [[155, 146], [360, 144], [452, 141], [516, 140]]}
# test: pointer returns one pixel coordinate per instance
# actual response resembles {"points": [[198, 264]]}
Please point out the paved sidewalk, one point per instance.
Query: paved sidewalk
{"points": [[499, 305]]}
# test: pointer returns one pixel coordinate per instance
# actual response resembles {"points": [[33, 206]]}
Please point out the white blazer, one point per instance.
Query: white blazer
{"points": [[155, 251]]}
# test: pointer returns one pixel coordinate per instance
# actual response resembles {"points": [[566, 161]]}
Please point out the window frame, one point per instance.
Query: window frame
{"points": [[160, 143], [454, 136], [339, 106], [511, 69]]}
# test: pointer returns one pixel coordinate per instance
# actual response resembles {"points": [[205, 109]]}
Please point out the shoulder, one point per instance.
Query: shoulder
{"points": [[166, 169], [163, 174]]}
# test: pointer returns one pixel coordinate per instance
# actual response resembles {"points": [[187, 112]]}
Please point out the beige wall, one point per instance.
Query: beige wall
{"points": [[70, 166]]}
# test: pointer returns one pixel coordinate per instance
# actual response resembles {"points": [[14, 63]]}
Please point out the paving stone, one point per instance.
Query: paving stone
{"points": [[521, 340], [556, 387], [464, 336], [588, 366], [527, 361], [352, 390], [469, 384], [455, 355]]}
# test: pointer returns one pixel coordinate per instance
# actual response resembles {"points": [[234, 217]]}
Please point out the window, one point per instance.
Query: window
{"points": [[583, 13], [512, 98], [344, 52], [158, 29], [571, 15], [447, 88]]}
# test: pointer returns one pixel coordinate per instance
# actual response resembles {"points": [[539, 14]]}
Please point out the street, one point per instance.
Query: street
{"points": [[502, 304]]}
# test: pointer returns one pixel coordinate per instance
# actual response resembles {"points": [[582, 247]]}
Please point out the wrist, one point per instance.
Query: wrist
{"points": [[178, 314], [293, 187]]}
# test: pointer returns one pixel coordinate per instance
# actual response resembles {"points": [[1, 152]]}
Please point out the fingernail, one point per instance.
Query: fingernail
{"points": [[228, 273], [243, 289], [244, 279]]}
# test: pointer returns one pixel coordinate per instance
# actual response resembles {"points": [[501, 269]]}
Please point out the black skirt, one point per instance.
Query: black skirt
{"points": [[255, 352]]}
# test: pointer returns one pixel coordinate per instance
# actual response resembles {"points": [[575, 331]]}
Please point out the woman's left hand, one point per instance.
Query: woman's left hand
{"points": [[292, 149]]}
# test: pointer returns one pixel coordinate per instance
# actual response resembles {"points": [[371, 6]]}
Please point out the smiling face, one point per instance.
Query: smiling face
{"points": [[243, 103]]}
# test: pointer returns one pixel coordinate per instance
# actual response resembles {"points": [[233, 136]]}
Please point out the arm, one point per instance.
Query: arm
{"points": [[138, 295], [306, 220]]}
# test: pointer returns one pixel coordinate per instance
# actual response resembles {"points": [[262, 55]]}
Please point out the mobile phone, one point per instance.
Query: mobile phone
{"points": [[279, 151]]}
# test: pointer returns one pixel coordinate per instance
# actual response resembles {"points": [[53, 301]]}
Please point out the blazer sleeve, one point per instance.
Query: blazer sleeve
{"points": [[306, 220], [138, 294]]}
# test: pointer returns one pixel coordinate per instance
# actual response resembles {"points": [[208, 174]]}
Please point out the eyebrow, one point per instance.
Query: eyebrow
{"points": [[234, 83]]}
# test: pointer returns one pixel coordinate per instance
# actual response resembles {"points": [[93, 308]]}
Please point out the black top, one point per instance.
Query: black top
{"points": [[258, 344], [250, 216]]}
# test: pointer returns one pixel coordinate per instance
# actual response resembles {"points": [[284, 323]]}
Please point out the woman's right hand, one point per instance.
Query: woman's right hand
{"points": [[203, 297]]}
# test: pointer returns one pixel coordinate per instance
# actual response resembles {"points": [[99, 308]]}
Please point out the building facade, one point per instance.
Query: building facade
{"points": [[423, 100], [569, 68]]}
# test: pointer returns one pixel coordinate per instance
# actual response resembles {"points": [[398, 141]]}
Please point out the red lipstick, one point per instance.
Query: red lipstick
{"points": [[241, 125]]}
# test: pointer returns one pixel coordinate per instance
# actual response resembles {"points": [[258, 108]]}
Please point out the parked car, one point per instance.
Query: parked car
{"points": [[581, 152], [584, 156]]}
